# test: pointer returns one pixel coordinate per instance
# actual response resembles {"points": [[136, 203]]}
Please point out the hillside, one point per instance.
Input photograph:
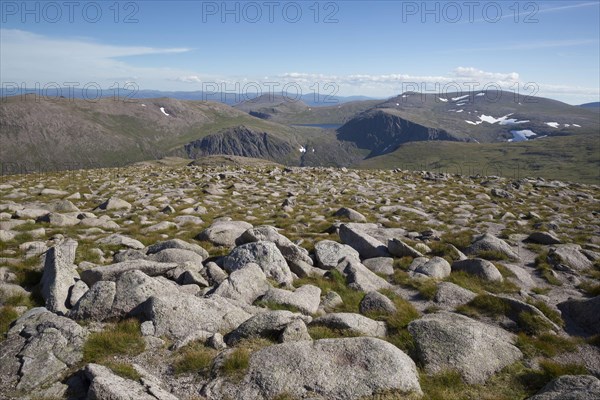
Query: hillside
{"points": [[72, 134], [489, 117]]}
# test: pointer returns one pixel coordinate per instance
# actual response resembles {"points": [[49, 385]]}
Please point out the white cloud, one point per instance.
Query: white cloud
{"points": [[32, 58], [189, 79]]}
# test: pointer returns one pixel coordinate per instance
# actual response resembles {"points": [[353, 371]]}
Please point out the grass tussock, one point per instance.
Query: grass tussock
{"points": [[545, 345], [478, 285], [123, 338], [193, 358], [461, 240], [493, 255], [7, 315], [236, 362], [590, 288], [532, 323], [548, 311], [544, 269], [123, 369], [427, 288], [276, 306], [335, 281]]}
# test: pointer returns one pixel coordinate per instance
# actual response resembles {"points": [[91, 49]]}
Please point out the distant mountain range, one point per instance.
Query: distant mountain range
{"points": [[311, 99], [545, 137], [591, 105]]}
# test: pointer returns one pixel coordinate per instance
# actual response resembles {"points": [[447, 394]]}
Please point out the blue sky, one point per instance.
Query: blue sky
{"points": [[373, 48]]}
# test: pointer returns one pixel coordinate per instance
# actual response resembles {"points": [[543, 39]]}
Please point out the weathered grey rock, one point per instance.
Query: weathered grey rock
{"points": [[8, 290], [331, 301], [496, 192], [59, 276], [570, 255], [114, 203], [128, 255], [290, 251], [436, 267], [161, 226], [375, 302], [104, 384], [6, 275], [354, 322], [266, 255], [360, 278], [479, 267], [7, 236], [215, 274], [246, 284], [306, 298], [177, 256], [350, 214], [113, 271], [452, 341], [584, 313], [380, 265], [217, 342], [56, 219], [53, 192], [224, 233], [177, 244], [518, 306], [371, 365], [547, 238], [450, 295], [488, 242], [296, 331], [366, 245], [302, 269], [77, 292], [121, 240], [329, 253], [31, 213], [570, 387], [99, 223], [45, 346], [134, 288], [191, 277], [63, 206], [182, 316], [398, 248], [96, 304], [268, 324]]}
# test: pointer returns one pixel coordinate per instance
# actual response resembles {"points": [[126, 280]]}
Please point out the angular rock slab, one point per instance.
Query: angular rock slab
{"points": [[45, 345], [366, 245], [224, 233], [60, 274], [182, 316], [570, 387], [266, 255], [452, 341], [350, 368], [330, 253]]}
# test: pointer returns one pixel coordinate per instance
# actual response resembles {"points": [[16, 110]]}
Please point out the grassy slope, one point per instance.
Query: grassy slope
{"points": [[569, 158]]}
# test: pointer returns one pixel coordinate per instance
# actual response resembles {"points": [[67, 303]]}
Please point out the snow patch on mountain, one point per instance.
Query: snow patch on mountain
{"points": [[522, 136], [163, 111], [460, 97], [553, 124]]}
